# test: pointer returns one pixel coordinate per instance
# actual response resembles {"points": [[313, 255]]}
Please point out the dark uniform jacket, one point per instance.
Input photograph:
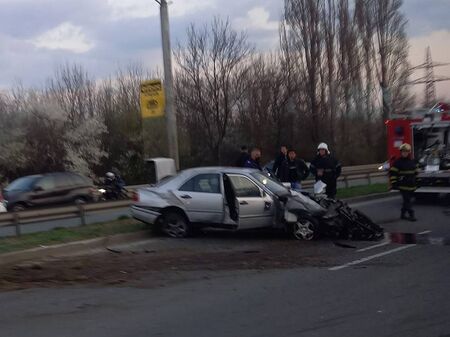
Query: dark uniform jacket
{"points": [[293, 170], [403, 174], [250, 163], [330, 166]]}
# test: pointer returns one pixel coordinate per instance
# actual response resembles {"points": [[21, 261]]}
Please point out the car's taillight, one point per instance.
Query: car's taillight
{"points": [[135, 196]]}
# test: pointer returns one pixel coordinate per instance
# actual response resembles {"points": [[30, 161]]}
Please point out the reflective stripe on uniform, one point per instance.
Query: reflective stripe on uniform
{"points": [[406, 188], [394, 169]]}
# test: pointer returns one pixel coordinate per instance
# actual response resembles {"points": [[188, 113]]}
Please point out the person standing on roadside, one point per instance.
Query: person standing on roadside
{"points": [[294, 170], [326, 168], [402, 176], [279, 161], [254, 160], [243, 156]]}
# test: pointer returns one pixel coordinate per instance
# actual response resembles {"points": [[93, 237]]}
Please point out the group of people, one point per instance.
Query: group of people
{"points": [[288, 168]]}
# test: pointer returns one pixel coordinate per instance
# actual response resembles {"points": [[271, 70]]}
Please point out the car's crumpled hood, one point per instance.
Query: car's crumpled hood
{"points": [[302, 202]]}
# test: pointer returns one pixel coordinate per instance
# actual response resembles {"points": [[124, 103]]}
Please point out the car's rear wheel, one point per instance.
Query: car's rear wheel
{"points": [[18, 208], [306, 228], [176, 225], [80, 201]]}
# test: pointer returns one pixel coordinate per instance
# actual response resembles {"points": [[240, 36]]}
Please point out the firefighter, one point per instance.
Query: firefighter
{"points": [[326, 168], [403, 177]]}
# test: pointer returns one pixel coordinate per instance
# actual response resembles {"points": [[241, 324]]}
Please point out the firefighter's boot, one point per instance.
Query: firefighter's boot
{"points": [[412, 216]]}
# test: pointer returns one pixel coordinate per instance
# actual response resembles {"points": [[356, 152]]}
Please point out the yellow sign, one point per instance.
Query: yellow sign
{"points": [[152, 99]]}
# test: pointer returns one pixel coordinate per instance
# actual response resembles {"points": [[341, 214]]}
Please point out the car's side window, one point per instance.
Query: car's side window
{"points": [[46, 183], [203, 183], [244, 187], [62, 180]]}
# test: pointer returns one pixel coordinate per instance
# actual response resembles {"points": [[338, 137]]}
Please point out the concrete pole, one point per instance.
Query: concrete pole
{"points": [[171, 116]]}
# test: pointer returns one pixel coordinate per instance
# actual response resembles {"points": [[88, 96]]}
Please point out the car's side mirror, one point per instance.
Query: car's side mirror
{"points": [[38, 189], [263, 194]]}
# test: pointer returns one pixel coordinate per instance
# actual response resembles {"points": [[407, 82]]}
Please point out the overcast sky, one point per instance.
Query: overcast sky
{"points": [[38, 35]]}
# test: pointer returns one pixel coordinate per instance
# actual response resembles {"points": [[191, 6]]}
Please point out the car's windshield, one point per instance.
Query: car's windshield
{"points": [[22, 184], [273, 185]]}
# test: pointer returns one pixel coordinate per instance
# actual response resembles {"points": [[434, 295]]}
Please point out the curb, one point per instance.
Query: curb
{"points": [[370, 197], [71, 248]]}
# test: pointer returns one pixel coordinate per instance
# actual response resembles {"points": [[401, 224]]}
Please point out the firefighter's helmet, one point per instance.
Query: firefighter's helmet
{"points": [[323, 146], [405, 147]]}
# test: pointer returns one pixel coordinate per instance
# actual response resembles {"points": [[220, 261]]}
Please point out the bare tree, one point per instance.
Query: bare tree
{"points": [[209, 86]]}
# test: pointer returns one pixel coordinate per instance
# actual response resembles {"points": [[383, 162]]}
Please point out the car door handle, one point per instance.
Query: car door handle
{"points": [[186, 196], [243, 203]]}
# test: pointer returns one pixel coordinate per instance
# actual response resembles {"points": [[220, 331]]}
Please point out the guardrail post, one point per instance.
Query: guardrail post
{"points": [[82, 214], [345, 182], [16, 221], [369, 178]]}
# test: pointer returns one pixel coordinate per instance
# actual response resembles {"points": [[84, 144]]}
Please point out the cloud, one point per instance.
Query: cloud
{"points": [[125, 9], [66, 36], [440, 51], [257, 18]]}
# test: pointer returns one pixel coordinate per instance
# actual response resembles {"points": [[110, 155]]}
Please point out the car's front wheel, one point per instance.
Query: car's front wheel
{"points": [[306, 228], [176, 225]]}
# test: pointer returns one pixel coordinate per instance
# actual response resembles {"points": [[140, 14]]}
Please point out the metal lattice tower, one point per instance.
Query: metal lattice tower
{"points": [[429, 79], [430, 88]]}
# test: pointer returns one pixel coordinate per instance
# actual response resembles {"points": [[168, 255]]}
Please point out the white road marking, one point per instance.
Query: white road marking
{"points": [[365, 259], [424, 232], [385, 242], [374, 246]]}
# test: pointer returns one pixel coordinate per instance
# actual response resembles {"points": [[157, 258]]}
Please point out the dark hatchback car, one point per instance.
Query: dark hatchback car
{"points": [[48, 189]]}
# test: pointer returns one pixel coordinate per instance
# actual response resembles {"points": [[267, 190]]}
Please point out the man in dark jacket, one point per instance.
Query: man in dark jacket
{"points": [[327, 169], [294, 170], [279, 160], [253, 161], [403, 177], [243, 156]]}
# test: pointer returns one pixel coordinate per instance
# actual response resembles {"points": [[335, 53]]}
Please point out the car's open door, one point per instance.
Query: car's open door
{"points": [[250, 206]]}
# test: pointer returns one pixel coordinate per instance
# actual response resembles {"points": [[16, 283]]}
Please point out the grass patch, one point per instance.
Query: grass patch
{"points": [[62, 235], [357, 191]]}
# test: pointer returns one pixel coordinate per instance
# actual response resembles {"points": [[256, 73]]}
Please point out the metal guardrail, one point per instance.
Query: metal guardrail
{"points": [[17, 219]]}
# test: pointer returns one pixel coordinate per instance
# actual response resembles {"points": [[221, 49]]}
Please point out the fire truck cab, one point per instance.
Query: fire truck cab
{"points": [[428, 132]]}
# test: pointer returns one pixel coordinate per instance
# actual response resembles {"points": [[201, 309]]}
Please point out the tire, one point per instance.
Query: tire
{"points": [[79, 200], [176, 225], [306, 228], [18, 208]]}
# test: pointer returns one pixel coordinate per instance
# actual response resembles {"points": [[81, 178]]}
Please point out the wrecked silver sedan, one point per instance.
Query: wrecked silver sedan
{"points": [[234, 199]]}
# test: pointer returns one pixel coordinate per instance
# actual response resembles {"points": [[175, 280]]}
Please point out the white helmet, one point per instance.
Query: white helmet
{"points": [[109, 175], [323, 146]]}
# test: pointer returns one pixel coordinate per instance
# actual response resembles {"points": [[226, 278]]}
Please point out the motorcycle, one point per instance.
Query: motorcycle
{"points": [[108, 193]]}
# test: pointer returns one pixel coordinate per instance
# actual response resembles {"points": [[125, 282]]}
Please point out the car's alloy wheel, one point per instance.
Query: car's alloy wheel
{"points": [[80, 201], [305, 229], [175, 225], [18, 208]]}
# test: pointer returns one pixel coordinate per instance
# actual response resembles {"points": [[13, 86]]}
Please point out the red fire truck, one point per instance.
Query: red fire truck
{"points": [[428, 132]]}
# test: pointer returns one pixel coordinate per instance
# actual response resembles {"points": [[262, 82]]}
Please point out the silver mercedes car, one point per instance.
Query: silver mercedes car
{"points": [[225, 197]]}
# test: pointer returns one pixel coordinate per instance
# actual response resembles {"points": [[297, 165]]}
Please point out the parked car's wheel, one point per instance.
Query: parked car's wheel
{"points": [[79, 200], [306, 228], [175, 225], [18, 208]]}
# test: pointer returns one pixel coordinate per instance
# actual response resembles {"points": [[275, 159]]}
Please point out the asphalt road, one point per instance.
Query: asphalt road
{"points": [[376, 289]]}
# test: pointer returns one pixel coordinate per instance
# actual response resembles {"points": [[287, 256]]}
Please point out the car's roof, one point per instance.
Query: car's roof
{"points": [[216, 169]]}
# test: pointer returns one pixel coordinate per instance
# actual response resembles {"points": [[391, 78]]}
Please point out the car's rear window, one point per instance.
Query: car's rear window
{"points": [[23, 184]]}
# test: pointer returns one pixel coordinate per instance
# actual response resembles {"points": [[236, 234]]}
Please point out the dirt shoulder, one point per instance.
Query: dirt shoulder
{"points": [[161, 260]]}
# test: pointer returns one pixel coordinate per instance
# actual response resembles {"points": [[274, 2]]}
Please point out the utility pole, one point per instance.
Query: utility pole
{"points": [[171, 116]]}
